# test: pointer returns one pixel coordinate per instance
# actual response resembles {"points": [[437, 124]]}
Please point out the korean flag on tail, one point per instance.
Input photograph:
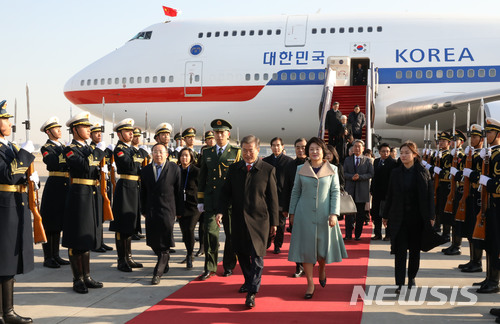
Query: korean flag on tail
{"points": [[360, 48]]}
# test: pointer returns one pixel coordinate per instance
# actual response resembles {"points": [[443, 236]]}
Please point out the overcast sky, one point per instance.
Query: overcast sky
{"points": [[45, 42]]}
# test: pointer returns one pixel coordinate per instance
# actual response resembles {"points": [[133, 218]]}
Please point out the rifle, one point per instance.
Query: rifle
{"points": [[424, 155], [480, 227], [106, 208], [448, 208], [460, 215], [429, 156], [438, 164], [112, 170]]}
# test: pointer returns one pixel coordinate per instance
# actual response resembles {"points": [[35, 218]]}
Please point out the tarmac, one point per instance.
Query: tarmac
{"points": [[444, 293]]}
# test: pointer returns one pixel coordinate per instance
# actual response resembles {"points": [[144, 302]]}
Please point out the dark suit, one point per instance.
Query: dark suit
{"points": [[254, 198], [280, 163], [334, 126], [378, 189], [189, 185]]}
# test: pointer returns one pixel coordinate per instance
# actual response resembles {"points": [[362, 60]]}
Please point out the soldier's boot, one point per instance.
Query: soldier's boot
{"points": [[48, 257], [55, 249], [475, 265], [121, 250], [456, 243], [446, 232], [128, 255], [77, 268], [87, 279], [161, 267], [189, 261], [9, 316], [492, 276]]}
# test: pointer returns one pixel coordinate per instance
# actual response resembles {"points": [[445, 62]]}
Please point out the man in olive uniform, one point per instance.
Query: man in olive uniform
{"points": [[189, 136], [126, 207], [214, 165], [179, 145], [443, 170], [52, 211], [16, 233], [82, 225]]}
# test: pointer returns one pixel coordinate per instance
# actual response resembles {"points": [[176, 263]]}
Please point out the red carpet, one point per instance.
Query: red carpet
{"points": [[280, 299]]}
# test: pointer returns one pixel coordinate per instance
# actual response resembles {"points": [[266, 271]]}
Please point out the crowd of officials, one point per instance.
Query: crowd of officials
{"points": [[252, 198]]}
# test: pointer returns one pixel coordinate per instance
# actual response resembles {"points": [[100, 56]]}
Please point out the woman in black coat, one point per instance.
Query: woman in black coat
{"points": [[189, 185], [409, 211]]}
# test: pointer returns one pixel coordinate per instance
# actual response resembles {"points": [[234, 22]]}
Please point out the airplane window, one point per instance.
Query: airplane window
{"points": [[89, 82], [252, 32], [143, 35], [492, 73], [302, 75], [314, 31], [117, 80], [235, 33], [82, 83], [265, 76], [428, 74], [163, 79], [284, 76], [323, 30], [449, 74], [460, 73], [369, 29], [360, 29], [409, 74], [470, 73], [399, 74], [293, 76], [110, 81], [148, 35], [439, 74], [242, 33], [341, 30], [155, 79], [226, 33], [102, 81], [278, 31], [275, 76], [197, 78], [217, 34], [247, 77], [351, 29], [131, 80], [200, 35], [481, 73], [269, 32], [209, 34], [321, 75], [261, 32], [256, 76], [379, 28], [171, 79], [95, 81], [418, 74], [312, 76], [332, 30], [124, 80], [139, 79], [146, 79]]}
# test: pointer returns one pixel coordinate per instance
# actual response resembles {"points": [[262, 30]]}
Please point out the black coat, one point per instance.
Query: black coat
{"points": [[190, 190], [254, 198], [290, 172], [82, 225], [16, 233], [380, 180], [55, 189], [394, 208], [280, 163], [161, 202], [333, 124]]}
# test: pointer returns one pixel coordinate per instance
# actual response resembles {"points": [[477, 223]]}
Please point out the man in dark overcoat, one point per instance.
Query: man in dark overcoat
{"points": [[251, 189], [16, 238], [161, 202]]}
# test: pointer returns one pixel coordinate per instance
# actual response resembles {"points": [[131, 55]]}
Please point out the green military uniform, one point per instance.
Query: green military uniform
{"points": [[188, 133], [213, 170], [444, 187]]}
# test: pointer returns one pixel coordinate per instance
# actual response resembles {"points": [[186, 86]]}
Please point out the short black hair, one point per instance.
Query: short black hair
{"points": [[384, 145], [191, 154], [300, 139], [277, 139], [319, 142]]}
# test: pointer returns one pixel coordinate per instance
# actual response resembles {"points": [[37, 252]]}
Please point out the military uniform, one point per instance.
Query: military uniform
{"points": [[52, 208], [16, 233], [443, 190], [191, 132], [213, 169]]}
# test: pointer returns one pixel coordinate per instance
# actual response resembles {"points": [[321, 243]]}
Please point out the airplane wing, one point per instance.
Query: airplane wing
{"points": [[421, 111]]}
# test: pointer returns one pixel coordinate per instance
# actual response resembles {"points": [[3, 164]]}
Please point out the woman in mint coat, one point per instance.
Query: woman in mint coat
{"points": [[314, 207]]}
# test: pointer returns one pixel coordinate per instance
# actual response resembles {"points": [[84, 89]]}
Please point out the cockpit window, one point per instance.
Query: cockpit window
{"points": [[143, 35]]}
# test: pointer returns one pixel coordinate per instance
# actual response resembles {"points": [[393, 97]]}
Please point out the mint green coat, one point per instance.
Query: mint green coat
{"points": [[314, 198]]}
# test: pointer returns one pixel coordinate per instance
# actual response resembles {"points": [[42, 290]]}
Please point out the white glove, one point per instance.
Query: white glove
{"points": [[428, 166], [101, 146], [484, 152], [437, 170], [453, 152], [467, 172], [201, 207], [36, 179], [424, 163], [484, 180], [111, 147], [429, 151], [440, 154], [105, 169], [28, 146], [113, 165], [468, 149], [453, 170]]}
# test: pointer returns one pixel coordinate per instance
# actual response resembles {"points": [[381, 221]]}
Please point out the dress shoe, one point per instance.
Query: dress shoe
{"points": [[376, 237], [277, 250], [156, 280], [322, 283], [454, 250], [398, 290], [386, 238], [464, 265], [91, 283], [172, 251], [99, 250], [13, 317], [495, 311], [183, 261], [357, 238], [123, 266], [60, 260], [243, 289], [299, 272], [51, 263], [79, 286], [473, 267], [189, 262], [250, 301], [347, 238], [488, 288], [199, 253], [411, 283], [227, 273], [481, 283], [309, 296], [446, 249], [135, 237], [207, 274], [288, 229], [107, 247], [141, 235]]}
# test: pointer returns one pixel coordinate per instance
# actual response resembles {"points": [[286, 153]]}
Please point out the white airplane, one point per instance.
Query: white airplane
{"points": [[266, 75]]}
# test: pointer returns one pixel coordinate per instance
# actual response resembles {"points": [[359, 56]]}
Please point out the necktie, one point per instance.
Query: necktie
{"points": [[158, 172], [357, 162], [220, 152], [11, 147], [249, 167]]}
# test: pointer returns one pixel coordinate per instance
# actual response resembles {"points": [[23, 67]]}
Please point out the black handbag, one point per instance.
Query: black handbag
{"points": [[347, 205]]}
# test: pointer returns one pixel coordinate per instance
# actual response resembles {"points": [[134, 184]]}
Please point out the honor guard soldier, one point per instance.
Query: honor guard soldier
{"points": [[492, 183], [179, 145], [214, 165], [143, 153], [456, 172], [96, 138], [126, 207], [16, 238], [443, 170], [189, 136], [162, 135], [473, 200], [56, 187], [82, 225], [209, 139]]}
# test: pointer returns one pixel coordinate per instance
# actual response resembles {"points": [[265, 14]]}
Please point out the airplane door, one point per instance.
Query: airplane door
{"points": [[193, 78], [296, 30]]}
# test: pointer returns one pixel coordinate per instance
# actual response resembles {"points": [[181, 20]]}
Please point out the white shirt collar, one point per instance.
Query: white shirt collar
{"points": [[82, 143], [55, 142], [223, 147]]}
